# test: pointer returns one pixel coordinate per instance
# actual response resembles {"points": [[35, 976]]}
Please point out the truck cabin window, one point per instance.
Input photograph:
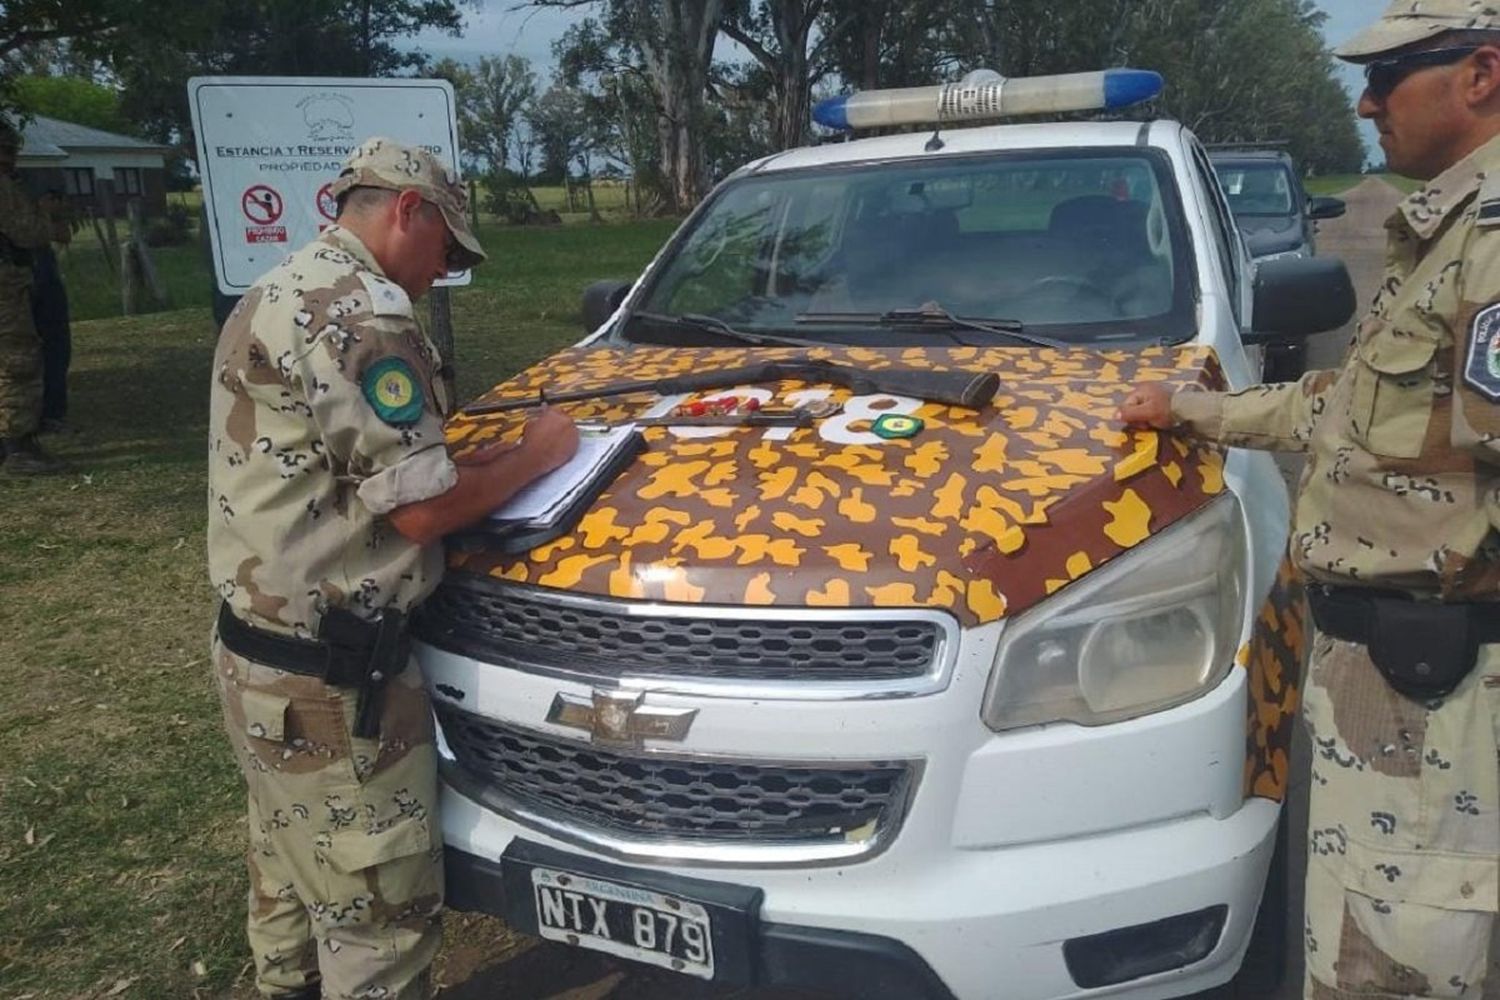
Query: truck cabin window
{"points": [[1084, 246]]}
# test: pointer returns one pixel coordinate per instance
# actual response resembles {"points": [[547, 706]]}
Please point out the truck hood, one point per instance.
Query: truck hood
{"points": [[983, 513]]}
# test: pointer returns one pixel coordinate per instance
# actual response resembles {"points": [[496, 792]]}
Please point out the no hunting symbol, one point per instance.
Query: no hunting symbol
{"points": [[261, 205]]}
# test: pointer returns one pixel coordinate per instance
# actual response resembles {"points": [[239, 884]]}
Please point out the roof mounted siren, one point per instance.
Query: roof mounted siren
{"points": [[985, 94]]}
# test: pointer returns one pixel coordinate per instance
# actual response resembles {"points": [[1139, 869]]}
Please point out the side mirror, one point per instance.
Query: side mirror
{"points": [[1298, 297], [1325, 208], [600, 300]]}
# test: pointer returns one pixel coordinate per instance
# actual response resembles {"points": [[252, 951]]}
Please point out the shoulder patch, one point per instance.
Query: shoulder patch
{"points": [[386, 297], [1482, 366], [393, 392], [1488, 213]]}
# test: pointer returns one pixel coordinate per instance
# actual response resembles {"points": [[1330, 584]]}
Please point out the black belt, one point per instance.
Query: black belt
{"points": [[1350, 613], [1423, 648], [349, 652], [297, 656]]}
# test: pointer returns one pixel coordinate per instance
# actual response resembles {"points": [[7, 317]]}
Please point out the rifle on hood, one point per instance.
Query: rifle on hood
{"points": [[971, 390]]}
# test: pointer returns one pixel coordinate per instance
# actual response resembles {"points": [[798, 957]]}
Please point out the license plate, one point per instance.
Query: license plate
{"points": [[624, 920]]}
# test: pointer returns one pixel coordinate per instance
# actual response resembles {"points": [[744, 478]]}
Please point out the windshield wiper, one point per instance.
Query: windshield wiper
{"points": [[932, 314], [713, 324]]}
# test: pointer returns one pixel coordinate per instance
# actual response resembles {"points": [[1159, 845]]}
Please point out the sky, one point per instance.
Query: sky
{"points": [[497, 27]]}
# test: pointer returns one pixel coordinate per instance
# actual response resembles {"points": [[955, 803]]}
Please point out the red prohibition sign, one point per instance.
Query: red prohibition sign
{"points": [[327, 205], [261, 204]]}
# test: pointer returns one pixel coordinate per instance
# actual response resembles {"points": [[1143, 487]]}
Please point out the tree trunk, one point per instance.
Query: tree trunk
{"points": [[792, 21], [677, 59], [992, 29], [874, 19]]}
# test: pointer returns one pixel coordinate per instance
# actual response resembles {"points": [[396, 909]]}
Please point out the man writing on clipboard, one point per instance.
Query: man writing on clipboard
{"points": [[329, 490]]}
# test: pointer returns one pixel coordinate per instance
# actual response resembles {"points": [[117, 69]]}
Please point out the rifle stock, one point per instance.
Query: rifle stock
{"points": [[972, 390]]}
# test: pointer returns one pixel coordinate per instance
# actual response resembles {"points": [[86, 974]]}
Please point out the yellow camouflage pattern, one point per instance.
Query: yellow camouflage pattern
{"points": [[1273, 659], [983, 513]]}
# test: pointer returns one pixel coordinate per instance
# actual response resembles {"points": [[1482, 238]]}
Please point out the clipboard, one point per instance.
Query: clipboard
{"points": [[513, 538]]}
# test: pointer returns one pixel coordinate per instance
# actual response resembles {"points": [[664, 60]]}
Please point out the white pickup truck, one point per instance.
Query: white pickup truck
{"points": [[994, 702]]}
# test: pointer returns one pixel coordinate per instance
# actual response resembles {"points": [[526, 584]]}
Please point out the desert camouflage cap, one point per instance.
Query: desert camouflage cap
{"points": [[386, 163], [1406, 22]]}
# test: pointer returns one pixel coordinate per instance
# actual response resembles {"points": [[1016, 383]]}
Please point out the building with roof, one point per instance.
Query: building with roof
{"points": [[75, 159]]}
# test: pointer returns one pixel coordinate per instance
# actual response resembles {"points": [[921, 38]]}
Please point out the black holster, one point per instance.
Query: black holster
{"points": [[349, 651], [1423, 649], [365, 654]]}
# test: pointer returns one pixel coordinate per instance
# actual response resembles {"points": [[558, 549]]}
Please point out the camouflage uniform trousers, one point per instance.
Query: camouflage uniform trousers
{"points": [[20, 356], [1403, 873], [345, 855]]}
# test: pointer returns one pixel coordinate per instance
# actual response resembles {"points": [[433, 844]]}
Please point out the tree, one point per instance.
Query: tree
{"points": [[71, 99], [492, 98], [261, 37], [1249, 71], [671, 43], [778, 34], [558, 120]]}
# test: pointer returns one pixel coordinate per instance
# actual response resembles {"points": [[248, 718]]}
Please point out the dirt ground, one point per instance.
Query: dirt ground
{"points": [[485, 960]]}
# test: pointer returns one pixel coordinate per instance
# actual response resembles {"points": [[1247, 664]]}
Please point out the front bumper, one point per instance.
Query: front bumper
{"points": [[1014, 845]]}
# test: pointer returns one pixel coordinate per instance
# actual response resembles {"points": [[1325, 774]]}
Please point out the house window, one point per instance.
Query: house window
{"points": [[79, 181], [128, 181]]}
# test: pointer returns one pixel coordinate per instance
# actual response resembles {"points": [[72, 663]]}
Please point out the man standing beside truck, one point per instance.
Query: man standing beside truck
{"points": [[1396, 527], [24, 228], [329, 490]]}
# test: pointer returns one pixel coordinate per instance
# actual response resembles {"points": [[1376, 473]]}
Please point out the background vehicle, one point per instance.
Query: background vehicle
{"points": [[1000, 709], [1278, 220]]}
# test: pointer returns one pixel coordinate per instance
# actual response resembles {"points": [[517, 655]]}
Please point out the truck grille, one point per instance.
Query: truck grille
{"points": [[704, 799], [498, 623]]}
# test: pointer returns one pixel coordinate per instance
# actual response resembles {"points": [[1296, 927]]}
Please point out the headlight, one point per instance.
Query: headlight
{"points": [[1154, 628]]}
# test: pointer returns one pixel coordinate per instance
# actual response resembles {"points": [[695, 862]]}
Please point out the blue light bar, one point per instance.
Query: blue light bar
{"points": [[986, 95]]}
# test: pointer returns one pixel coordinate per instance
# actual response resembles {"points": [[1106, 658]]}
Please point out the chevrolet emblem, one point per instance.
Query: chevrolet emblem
{"points": [[620, 718]]}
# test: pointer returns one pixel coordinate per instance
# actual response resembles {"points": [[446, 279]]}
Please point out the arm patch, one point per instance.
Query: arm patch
{"points": [[393, 392], [1482, 363]]}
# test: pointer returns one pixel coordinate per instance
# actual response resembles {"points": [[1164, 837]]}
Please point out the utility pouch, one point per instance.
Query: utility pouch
{"points": [[365, 655], [1424, 650]]}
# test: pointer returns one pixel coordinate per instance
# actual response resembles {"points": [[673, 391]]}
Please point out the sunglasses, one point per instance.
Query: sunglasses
{"points": [[1384, 75], [453, 251]]}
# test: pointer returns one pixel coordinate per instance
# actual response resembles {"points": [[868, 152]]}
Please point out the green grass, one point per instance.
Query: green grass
{"points": [[121, 813], [1337, 184], [526, 263]]}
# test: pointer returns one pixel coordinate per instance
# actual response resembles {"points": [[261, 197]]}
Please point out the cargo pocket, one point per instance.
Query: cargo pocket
{"points": [[265, 715], [351, 851], [264, 726], [1392, 396]]}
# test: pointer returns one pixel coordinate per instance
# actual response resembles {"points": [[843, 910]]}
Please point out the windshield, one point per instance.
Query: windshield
{"points": [[1080, 245], [1259, 189]]}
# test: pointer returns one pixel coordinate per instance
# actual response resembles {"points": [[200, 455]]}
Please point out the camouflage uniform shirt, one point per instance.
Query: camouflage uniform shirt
{"points": [[1402, 483], [326, 414], [22, 222]]}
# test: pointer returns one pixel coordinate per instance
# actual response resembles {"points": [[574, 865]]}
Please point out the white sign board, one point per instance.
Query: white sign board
{"points": [[269, 146]]}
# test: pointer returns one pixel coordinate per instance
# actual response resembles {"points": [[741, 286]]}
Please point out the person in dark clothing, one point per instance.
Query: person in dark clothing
{"points": [[49, 313]]}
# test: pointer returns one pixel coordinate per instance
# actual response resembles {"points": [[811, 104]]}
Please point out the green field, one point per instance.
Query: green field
{"points": [[1337, 184], [121, 814]]}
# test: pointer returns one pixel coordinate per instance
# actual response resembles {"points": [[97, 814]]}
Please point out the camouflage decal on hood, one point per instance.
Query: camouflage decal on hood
{"points": [[981, 513]]}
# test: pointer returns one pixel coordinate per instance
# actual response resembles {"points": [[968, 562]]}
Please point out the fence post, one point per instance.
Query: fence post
{"points": [[130, 278], [145, 266], [105, 191]]}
